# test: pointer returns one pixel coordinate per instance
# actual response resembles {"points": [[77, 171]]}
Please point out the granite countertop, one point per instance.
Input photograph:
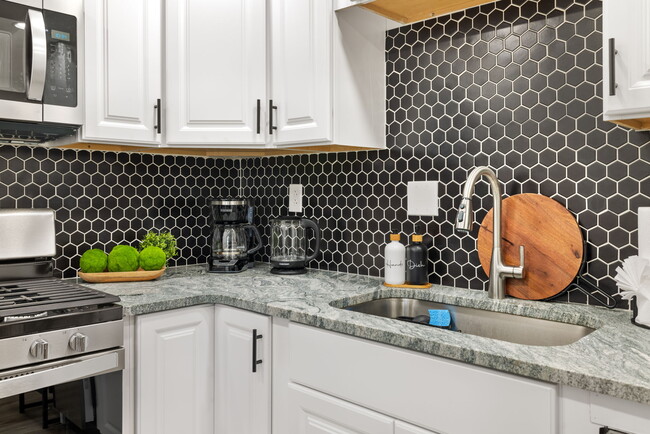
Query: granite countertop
{"points": [[613, 360]]}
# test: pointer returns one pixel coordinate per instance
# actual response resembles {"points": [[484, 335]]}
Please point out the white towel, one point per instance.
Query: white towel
{"points": [[633, 280], [644, 232]]}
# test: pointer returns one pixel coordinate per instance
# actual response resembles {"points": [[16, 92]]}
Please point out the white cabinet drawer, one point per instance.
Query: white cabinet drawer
{"points": [[404, 428], [430, 392], [315, 413]]}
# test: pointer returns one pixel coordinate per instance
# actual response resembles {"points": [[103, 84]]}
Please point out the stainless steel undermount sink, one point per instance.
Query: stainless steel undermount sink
{"points": [[495, 325]]}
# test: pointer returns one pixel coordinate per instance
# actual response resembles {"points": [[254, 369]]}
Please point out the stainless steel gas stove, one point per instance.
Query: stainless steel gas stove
{"points": [[52, 331]]}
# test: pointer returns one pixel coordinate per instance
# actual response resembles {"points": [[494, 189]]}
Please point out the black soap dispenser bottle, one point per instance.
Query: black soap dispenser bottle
{"points": [[417, 262]]}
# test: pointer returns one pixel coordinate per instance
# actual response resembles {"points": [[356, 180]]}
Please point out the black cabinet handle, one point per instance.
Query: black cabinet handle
{"points": [[259, 114], [612, 66], [607, 430], [157, 111], [255, 361], [271, 108]]}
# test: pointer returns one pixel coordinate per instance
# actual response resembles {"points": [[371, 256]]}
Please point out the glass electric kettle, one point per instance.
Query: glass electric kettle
{"points": [[289, 244]]}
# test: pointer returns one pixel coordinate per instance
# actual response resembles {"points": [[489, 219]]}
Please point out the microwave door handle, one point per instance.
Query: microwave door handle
{"points": [[36, 84]]}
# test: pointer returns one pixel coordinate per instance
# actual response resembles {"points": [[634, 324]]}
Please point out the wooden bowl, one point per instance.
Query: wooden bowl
{"points": [[121, 276]]}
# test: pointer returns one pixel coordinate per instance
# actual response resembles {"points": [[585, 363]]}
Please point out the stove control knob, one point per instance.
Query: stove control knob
{"points": [[39, 349], [78, 342]]}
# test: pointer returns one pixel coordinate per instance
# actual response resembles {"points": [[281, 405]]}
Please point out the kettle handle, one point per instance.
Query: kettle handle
{"points": [[258, 239], [312, 224]]}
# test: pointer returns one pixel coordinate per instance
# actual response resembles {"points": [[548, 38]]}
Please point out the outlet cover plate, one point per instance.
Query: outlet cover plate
{"points": [[422, 198], [295, 197]]}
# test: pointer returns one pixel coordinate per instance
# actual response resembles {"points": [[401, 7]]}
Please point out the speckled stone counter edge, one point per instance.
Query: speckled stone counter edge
{"points": [[329, 291]]}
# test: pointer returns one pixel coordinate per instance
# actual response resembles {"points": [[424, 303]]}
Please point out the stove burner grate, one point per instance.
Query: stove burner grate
{"points": [[25, 297]]}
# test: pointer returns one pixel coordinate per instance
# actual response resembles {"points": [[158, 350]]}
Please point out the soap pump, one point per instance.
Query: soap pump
{"points": [[417, 262], [394, 261]]}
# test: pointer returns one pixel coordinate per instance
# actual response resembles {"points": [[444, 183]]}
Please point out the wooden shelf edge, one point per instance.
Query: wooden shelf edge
{"points": [[641, 124], [411, 11], [216, 152]]}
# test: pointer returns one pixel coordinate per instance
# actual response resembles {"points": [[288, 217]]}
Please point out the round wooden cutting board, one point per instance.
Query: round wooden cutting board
{"points": [[551, 237]]}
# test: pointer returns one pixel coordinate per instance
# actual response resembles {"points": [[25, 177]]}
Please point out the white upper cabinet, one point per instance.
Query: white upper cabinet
{"points": [[216, 72], [123, 71], [301, 71], [626, 59], [252, 74]]}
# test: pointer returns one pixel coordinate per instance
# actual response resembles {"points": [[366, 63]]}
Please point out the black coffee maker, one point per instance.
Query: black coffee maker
{"points": [[233, 239]]}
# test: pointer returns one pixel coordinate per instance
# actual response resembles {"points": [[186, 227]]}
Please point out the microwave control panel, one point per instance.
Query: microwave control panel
{"points": [[61, 77]]}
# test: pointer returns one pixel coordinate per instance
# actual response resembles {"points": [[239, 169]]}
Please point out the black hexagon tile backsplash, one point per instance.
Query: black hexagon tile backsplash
{"points": [[514, 85], [103, 198]]}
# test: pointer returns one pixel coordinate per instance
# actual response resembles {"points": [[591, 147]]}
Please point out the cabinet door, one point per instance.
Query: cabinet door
{"points": [[301, 64], [215, 72], [311, 412], [243, 397], [629, 26], [123, 71], [175, 371], [405, 428]]}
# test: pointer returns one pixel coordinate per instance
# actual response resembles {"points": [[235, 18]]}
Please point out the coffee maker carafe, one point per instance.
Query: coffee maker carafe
{"points": [[233, 239]]}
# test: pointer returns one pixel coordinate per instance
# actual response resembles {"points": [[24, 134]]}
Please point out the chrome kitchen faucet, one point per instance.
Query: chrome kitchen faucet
{"points": [[499, 272]]}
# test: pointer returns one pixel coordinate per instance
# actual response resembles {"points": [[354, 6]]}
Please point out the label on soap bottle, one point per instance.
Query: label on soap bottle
{"points": [[412, 265], [392, 265]]}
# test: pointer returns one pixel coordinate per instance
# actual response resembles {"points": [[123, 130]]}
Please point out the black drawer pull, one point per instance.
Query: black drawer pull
{"points": [[271, 108], [255, 361], [158, 116], [612, 67], [259, 114]]}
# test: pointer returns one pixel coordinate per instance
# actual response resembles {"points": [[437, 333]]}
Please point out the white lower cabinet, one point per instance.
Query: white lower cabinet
{"points": [[192, 372], [429, 392], [175, 371], [243, 372]]}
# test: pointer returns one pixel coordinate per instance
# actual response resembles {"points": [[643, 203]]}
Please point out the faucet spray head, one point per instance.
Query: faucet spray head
{"points": [[464, 216]]}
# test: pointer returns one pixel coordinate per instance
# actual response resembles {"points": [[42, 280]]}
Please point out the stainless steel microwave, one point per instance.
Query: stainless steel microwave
{"points": [[41, 61]]}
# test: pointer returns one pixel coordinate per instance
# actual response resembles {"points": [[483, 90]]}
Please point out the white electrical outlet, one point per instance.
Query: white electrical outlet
{"points": [[295, 198], [422, 198]]}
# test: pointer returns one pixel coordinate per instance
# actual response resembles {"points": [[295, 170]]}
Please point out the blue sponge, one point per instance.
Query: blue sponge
{"points": [[439, 317]]}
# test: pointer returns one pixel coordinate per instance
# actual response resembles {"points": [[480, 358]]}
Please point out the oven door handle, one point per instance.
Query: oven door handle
{"points": [[36, 85], [26, 379]]}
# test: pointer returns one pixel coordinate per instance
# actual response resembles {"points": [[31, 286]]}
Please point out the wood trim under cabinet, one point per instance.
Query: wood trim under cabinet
{"points": [[216, 152], [641, 124], [410, 11]]}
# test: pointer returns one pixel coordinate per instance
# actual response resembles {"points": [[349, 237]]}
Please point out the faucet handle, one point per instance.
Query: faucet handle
{"points": [[520, 271], [516, 272]]}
